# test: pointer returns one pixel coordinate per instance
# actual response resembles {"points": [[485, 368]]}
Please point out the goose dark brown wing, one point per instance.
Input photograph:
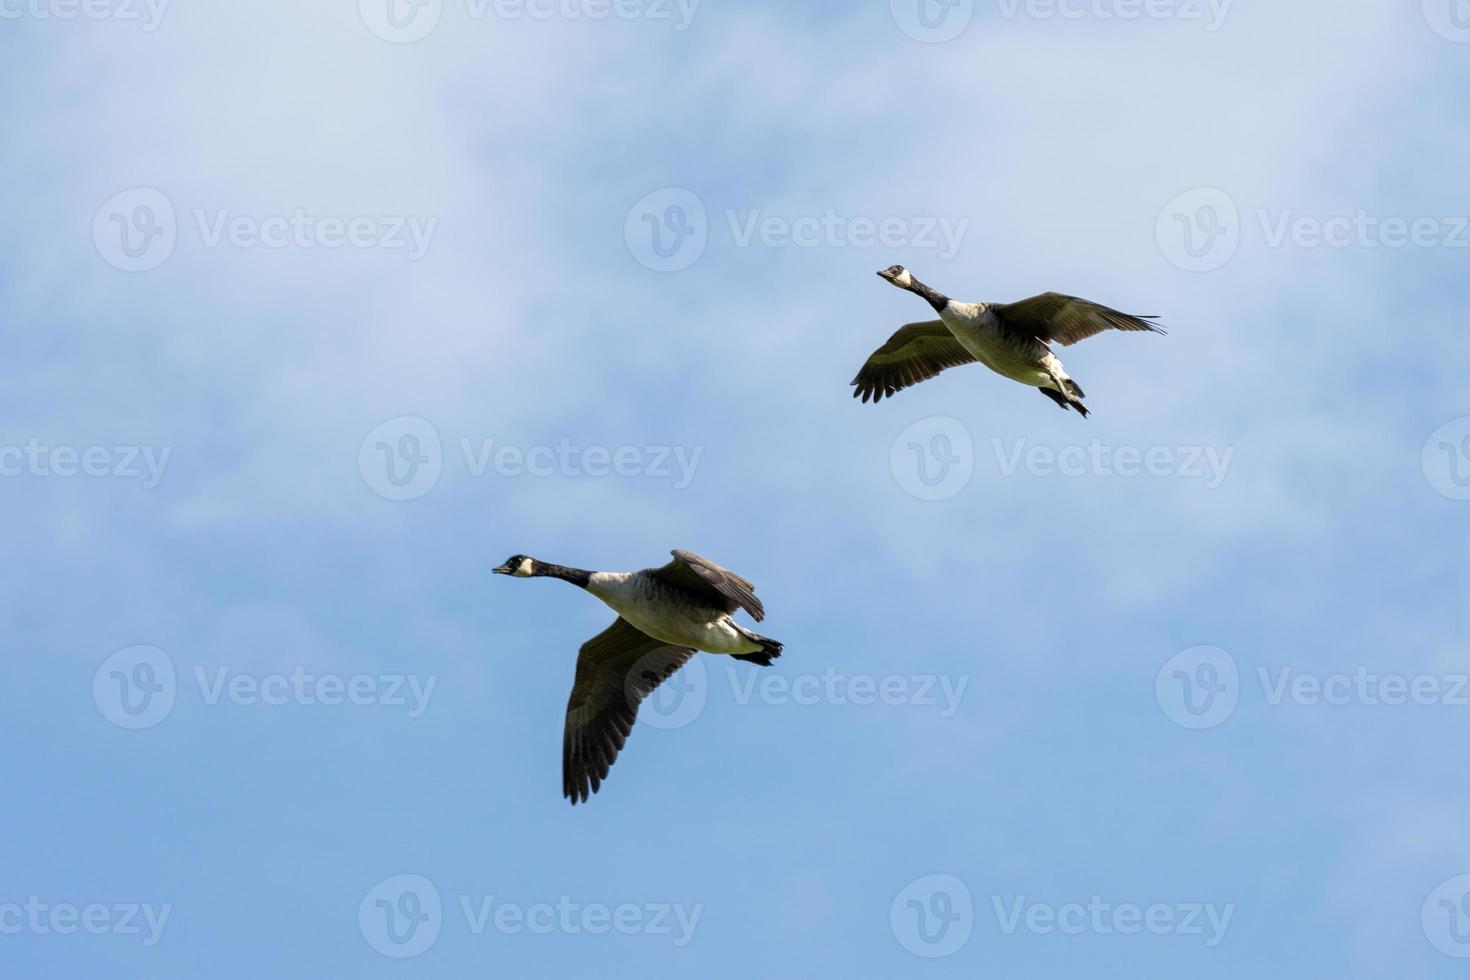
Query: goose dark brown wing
{"points": [[720, 587], [917, 352], [616, 670], [1065, 319]]}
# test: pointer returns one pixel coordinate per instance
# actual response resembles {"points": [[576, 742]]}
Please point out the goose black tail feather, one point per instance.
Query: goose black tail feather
{"points": [[1064, 402], [770, 650]]}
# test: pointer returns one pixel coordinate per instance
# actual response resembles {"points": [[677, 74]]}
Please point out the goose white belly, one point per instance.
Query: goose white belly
{"points": [[979, 333], [665, 615]]}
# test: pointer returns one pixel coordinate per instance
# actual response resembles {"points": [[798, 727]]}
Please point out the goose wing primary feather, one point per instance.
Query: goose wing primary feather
{"points": [[616, 670], [1065, 319], [917, 352], [703, 578]]}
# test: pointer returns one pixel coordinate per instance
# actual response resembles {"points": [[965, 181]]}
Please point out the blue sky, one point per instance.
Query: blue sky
{"points": [[1173, 691]]}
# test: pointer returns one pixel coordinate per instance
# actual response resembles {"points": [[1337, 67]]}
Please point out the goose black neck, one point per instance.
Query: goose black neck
{"points": [[934, 297], [576, 576]]}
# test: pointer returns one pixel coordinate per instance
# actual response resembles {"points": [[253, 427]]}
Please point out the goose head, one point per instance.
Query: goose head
{"points": [[519, 566], [904, 279], [897, 275]]}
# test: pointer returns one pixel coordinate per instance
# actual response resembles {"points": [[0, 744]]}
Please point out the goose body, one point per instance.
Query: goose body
{"points": [[670, 614], [979, 332], [665, 616], [1012, 339]]}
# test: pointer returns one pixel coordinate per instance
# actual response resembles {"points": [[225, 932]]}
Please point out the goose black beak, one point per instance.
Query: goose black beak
{"points": [[502, 570], [883, 274]]}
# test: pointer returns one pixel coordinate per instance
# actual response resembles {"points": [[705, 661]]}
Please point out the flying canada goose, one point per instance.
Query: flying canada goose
{"points": [[665, 615], [1009, 338]]}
